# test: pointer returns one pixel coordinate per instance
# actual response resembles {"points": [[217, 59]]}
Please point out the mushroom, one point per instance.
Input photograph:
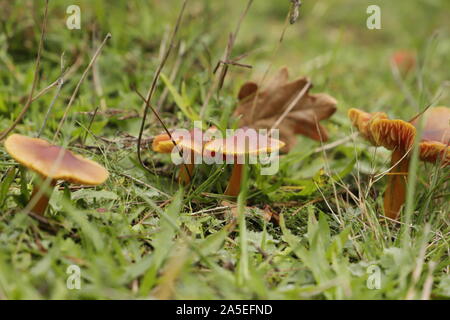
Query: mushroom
{"points": [[54, 163], [245, 141], [191, 142], [398, 136], [404, 60]]}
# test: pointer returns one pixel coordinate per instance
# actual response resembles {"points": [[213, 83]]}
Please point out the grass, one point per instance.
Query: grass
{"points": [[141, 235]]}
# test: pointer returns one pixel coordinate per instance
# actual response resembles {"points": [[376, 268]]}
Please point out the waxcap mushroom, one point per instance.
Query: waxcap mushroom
{"points": [[41, 156], [362, 121], [191, 142], [435, 140], [53, 163], [392, 134], [245, 141], [398, 135], [162, 143]]}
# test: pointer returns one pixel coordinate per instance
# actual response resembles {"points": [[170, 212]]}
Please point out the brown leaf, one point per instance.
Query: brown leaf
{"points": [[261, 109]]}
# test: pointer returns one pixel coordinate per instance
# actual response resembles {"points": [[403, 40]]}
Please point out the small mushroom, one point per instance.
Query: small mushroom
{"points": [[398, 136], [55, 163], [191, 142], [404, 60], [245, 141]]}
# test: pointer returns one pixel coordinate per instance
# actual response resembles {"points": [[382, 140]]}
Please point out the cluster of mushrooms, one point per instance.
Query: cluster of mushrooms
{"points": [[396, 135], [234, 147], [257, 109], [399, 136]]}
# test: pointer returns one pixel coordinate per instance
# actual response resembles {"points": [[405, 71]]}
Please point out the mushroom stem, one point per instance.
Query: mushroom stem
{"points": [[186, 170], [184, 176], [395, 194], [234, 184], [42, 202]]}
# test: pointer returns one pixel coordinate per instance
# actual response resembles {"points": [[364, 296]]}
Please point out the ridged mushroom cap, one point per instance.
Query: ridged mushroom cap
{"points": [[362, 121], [393, 134], [53, 161], [398, 134]]}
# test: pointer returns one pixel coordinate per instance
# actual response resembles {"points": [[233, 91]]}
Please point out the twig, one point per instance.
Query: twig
{"points": [[336, 143], [50, 108], [232, 62], [35, 78], [77, 88], [66, 75], [60, 82], [260, 85], [90, 125], [218, 81], [98, 86], [150, 92], [173, 74], [180, 152]]}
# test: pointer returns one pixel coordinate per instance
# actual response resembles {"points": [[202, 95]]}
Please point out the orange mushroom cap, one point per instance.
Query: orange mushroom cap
{"points": [[393, 134], [162, 143], [194, 141], [398, 134], [405, 60], [362, 121], [53, 161], [244, 141]]}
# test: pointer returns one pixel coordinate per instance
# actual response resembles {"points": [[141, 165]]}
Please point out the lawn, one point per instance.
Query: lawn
{"points": [[314, 230]]}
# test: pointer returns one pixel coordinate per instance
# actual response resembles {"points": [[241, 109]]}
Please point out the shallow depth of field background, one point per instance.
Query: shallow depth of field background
{"points": [[115, 232]]}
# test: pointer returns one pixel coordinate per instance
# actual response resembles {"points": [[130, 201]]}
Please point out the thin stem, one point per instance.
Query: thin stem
{"points": [[395, 194], [186, 173], [180, 151], [50, 108], [77, 88], [35, 78], [147, 99], [43, 197], [234, 184]]}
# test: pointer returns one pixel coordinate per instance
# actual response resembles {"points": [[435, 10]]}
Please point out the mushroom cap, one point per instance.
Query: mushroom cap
{"points": [[434, 152], [192, 140], [435, 135], [399, 134], [244, 141], [436, 126], [405, 60], [393, 134], [162, 143], [362, 121], [53, 161]]}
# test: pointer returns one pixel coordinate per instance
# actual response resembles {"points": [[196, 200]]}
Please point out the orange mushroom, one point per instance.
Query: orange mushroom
{"points": [[404, 60], [191, 142], [245, 141], [55, 163], [398, 136]]}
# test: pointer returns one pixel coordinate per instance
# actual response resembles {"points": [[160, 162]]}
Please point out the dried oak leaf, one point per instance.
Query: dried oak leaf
{"points": [[275, 98]]}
